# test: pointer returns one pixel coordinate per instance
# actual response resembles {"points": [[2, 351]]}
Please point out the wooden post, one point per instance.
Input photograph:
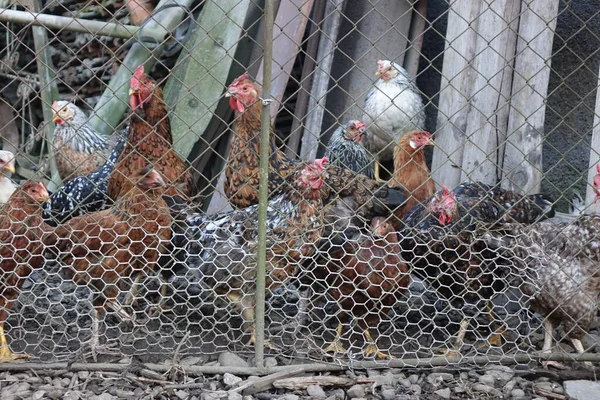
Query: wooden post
{"points": [[487, 121], [522, 167]]}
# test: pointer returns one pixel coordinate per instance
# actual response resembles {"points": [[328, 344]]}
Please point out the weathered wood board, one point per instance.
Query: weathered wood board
{"points": [[522, 167]]}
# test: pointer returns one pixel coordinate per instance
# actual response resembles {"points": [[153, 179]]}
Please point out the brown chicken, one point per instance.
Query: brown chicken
{"points": [[367, 278], [149, 141], [411, 171], [222, 247], [242, 172], [106, 249], [21, 229]]}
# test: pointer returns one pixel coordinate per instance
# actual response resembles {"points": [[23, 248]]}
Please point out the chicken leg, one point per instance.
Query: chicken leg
{"points": [[377, 169], [95, 345], [548, 331], [336, 344], [246, 305], [5, 354], [458, 343], [372, 348], [496, 337]]}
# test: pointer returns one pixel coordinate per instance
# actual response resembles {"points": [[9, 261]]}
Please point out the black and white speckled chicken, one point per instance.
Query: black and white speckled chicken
{"points": [[440, 240], [561, 263], [222, 247], [346, 150], [393, 107], [84, 194]]}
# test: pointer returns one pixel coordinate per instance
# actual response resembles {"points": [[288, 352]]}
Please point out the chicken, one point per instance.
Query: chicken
{"points": [[411, 171], [7, 164], [150, 141], [242, 173], [21, 231], [439, 241], [83, 194], [106, 249], [366, 277], [393, 107], [562, 276], [222, 247], [79, 150], [345, 149]]}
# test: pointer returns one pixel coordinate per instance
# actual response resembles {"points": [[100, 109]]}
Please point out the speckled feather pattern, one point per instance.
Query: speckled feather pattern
{"points": [[348, 154], [561, 262], [392, 108], [84, 194]]}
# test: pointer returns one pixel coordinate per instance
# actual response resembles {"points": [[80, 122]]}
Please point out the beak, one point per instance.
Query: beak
{"points": [[56, 118], [431, 143], [132, 91], [9, 167], [229, 93], [378, 74], [48, 201]]}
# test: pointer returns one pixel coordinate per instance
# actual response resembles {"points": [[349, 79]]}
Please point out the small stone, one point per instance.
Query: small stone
{"points": [[339, 394], [414, 378], [230, 379], [460, 389], [517, 394], [373, 372], [290, 397], [356, 391], [487, 380], [386, 379], [388, 394], [189, 361], [501, 374], [406, 383], [316, 392], [234, 396], [103, 396], [416, 389], [270, 362], [443, 393], [182, 394], [582, 390], [55, 394], [34, 379], [228, 359], [11, 378], [66, 382], [509, 386], [38, 395], [480, 387], [57, 382]]}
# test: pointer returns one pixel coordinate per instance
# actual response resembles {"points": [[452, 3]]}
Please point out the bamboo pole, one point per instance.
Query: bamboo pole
{"points": [[263, 189], [55, 22]]}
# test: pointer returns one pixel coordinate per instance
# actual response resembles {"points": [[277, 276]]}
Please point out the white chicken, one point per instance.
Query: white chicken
{"points": [[393, 107], [7, 164]]}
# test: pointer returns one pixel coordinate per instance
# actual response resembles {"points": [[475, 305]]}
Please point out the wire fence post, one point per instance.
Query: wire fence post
{"points": [[264, 184]]}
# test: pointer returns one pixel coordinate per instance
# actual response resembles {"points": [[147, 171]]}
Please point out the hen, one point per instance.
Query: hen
{"points": [[83, 194], [439, 240], [7, 164], [242, 173], [411, 171], [150, 141], [21, 231], [79, 150], [222, 247], [366, 277], [393, 107], [345, 149], [107, 249]]}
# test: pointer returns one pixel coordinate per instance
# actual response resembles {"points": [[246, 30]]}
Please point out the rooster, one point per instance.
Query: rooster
{"points": [[345, 149], [7, 164], [393, 107], [439, 240], [21, 231], [107, 248], [83, 194], [411, 171], [150, 141], [222, 247], [242, 173], [366, 276], [79, 150]]}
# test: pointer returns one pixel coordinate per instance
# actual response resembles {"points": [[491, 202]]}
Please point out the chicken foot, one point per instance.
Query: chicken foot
{"points": [[496, 337], [548, 339], [372, 348], [5, 354], [95, 345], [336, 345], [377, 169], [458, 343], [246, 304]]}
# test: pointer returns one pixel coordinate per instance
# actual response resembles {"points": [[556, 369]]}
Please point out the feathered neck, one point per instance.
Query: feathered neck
{"points": [[136, 200], [406, 154], [153, 115], [250, 120], [21, 206], [79, 135]]}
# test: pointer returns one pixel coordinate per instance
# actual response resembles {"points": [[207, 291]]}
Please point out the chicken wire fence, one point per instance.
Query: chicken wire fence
{"points": [[394, 272]]}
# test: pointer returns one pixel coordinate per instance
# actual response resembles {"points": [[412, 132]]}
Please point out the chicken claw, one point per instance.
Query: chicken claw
{"points": [[336, 345], [267, 344], [5, 354], [372, 348]]}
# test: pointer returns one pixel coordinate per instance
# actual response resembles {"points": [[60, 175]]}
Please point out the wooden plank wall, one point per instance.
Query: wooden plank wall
{"points": [[522, 167]]}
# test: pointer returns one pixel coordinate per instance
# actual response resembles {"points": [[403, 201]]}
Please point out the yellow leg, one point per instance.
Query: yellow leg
{"points": [[460, 337], [579, 348], [336, 345], [548, 329], [377, 169], [372, 348], [5, 354], [495, 338]]}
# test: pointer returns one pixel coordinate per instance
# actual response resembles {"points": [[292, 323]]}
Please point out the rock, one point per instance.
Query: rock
{"points": [[356, 391], [230, 379], [443, 393], [188, 361], [480, 387], [103, 396], [315, 392], [55, 394], [517, 394], [388, 394], [38, 395], [414, 378], [270, 362], [228, 359], [501, 374], [339, 394], [57, 382], [436, 378], [83, 374], [488, 380], [387, 379], [406, 383], [289, 397], [416, 389], [582, 390], [234, 396], [509, 386]]}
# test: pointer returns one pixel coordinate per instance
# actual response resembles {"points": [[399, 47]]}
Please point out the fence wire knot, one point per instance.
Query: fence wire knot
{"points": [[266, 102]]}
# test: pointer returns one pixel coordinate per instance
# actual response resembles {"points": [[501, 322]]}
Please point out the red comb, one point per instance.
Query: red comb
{"points": [[320, 162], [139, 72], [598, 168], [445, 189], [240, 78]]}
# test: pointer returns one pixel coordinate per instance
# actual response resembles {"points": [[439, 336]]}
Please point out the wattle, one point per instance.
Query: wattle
{"points": [[237, 105]]}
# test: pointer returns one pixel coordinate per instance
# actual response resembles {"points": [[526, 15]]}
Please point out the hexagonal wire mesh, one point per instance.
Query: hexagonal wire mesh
{"points": [[151, 239]]}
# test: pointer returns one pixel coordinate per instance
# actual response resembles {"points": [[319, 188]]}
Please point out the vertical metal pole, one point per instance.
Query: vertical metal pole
{"points": [[263, 195]]}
